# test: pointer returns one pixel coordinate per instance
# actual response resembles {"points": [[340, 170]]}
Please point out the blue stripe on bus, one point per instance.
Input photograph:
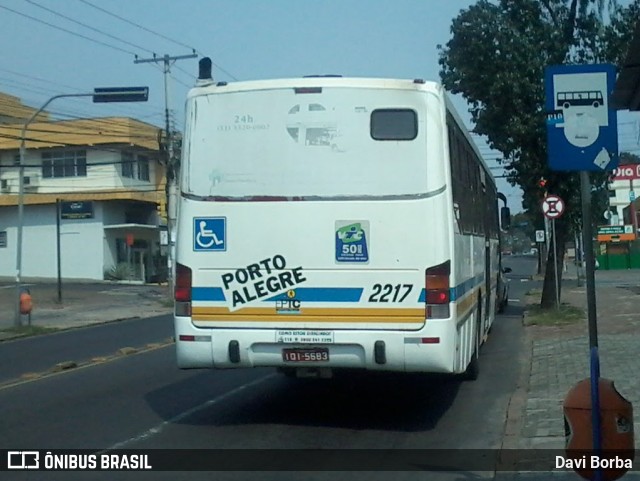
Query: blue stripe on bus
{"points": [[458, 291], [324, 294], [207, 294], [307, 294]]}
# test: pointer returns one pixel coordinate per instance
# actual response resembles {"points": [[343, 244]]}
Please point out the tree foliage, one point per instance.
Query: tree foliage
{"points": [[496, 59], [629, 158]]}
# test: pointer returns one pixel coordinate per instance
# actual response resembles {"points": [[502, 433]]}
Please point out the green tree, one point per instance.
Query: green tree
{"points": [[629, 158], [496, 59]]}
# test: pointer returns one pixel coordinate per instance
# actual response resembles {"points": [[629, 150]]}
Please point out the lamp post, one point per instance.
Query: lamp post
{"points": [[100, 95]]}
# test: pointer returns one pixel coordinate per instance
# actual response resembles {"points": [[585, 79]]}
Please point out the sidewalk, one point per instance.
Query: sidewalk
{"points": [[558, 358], [83, 303]]}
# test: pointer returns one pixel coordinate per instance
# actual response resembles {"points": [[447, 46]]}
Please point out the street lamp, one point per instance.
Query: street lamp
{"points": [[100, 95]]}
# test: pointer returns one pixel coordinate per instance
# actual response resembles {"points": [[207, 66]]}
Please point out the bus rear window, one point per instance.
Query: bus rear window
{"points": [[394, 124]]}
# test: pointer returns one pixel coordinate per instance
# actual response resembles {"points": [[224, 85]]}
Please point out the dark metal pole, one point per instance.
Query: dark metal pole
{"points": [[555, 262], [58, 251], [587, 243]]}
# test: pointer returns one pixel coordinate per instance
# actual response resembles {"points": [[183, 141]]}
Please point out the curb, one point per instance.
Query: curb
{"points": [[514, 421], [6, 336]]}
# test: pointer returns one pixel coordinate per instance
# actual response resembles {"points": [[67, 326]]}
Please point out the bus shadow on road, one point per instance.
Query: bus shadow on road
{"points": [[354, 400], [396, 402]]}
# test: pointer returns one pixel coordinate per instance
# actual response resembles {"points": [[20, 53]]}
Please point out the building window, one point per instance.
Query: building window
{"points": [[64, 163], [127, 164], [3, 239], [143, 167]]}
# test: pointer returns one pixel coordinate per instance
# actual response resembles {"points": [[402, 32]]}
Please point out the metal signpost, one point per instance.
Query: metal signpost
{"points": [[553, 207], [582, 136], [107, 94]]}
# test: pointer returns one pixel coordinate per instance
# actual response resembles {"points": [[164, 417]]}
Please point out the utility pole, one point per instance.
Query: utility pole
{"points": [[171, 191], [172, 166]]}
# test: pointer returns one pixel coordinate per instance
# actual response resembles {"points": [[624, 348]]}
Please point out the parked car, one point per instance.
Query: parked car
{"points": [[502, 298]]}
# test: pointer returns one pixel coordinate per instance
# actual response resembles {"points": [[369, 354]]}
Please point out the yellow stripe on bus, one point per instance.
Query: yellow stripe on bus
{"points": [[315, 311], [468, 303], [298, 318], [319, 314]]}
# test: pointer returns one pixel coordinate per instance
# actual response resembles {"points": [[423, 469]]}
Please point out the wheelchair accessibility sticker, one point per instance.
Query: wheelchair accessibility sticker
{"points": [[209, 233]]}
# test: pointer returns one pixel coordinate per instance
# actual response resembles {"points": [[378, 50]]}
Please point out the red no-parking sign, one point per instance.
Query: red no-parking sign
{"points": [[552, 206]]}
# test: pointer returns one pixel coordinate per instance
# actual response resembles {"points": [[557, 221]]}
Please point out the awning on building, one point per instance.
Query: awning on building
{"points": [[133, 229], [129, 226]]}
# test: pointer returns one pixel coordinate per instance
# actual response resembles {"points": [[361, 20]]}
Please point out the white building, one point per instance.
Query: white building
{"points": [[623, 190], [105, 177]]}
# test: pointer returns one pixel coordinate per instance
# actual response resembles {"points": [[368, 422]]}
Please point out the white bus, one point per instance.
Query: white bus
{"points": [[328, 223]]}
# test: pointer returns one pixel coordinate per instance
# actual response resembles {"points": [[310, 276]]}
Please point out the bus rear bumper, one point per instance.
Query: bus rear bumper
{"points": [[351, 349]]}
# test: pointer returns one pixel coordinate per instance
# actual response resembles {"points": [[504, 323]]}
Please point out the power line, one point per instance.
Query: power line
{"points": [[56, 144], [79, 114], [134, 108], [185, 72], [137, 25], [87, 132], [219, 67], [48, 81], [87, 26], [180, 81], [230, 75], [67, 31], [106, 120]]}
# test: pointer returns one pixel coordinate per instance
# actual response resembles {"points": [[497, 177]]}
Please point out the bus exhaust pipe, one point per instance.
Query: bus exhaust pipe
{"points": [[314, 372]]}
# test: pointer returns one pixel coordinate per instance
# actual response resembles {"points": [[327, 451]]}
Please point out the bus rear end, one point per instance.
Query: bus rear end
{"points": [[312, 214]]}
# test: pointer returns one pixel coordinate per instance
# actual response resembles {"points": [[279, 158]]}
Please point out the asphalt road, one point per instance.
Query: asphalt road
{"points": [[40, 353], [142, 401]]}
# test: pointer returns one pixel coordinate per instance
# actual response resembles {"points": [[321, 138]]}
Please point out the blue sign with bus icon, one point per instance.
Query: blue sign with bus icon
{"points": [[581, 122]]}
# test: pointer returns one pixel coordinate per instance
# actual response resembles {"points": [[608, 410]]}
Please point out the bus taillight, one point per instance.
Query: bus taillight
{"points": [[183, 290], [437, 289]]}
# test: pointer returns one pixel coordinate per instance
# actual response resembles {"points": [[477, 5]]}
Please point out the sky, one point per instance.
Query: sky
{"points": [[246, 39]]}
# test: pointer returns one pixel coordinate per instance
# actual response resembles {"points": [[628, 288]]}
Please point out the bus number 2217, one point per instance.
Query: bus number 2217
{"points": [[390, 293]]}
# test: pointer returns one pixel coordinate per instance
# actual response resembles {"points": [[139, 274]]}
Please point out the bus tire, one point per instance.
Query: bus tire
{"points": [[473, 369]]}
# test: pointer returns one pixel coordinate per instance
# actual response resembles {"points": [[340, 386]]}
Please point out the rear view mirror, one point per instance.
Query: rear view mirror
{"points": [[505, 217]]}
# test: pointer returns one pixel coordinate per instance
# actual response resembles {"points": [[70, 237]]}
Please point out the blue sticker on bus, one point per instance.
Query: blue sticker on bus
{"points": [[209, 234], [351, 241]]}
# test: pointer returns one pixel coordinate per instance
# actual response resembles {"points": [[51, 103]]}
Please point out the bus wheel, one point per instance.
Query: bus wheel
{"points": [[473, 369]]}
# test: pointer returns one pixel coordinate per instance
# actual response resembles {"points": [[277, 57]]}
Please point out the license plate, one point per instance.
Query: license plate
{"points": [[318, 354]]}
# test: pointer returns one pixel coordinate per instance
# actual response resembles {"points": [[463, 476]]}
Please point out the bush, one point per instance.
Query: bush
{"points": [[120, 272]]}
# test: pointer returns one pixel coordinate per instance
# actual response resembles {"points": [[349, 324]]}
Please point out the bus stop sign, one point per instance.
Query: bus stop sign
{"points": [[582, 131]]}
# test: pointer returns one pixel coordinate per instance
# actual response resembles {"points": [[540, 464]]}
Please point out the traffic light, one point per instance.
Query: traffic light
{"points": [[542, 183]]}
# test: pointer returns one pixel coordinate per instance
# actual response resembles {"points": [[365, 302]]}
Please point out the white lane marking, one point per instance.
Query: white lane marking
{"points": [[14, 286], [39, 376], [157, 429]]}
